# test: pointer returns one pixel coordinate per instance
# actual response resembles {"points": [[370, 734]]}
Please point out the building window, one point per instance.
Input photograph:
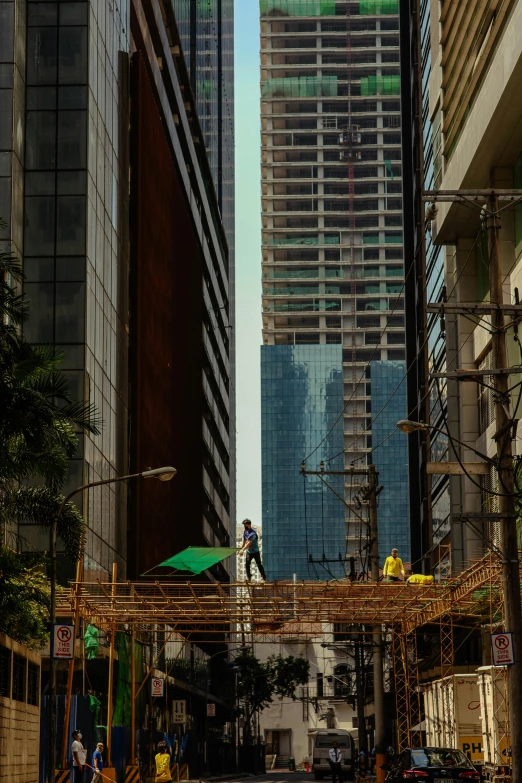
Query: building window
{"points": [[19, 677], [5, 672], [33, 684]]}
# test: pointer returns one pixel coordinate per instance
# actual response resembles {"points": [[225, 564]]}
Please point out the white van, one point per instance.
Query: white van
{"points": [[322, 742]]}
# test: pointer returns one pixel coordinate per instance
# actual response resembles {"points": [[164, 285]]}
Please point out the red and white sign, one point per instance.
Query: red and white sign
{"points": [[63, 641], [157, 685], [502, 648], [211, 710]]}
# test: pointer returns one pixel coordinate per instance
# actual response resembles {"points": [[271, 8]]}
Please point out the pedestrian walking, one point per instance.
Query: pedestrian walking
{"points": [[97, 763], [79, 757], [393, 567], [336, 763], [162, 763], [251, 547]]}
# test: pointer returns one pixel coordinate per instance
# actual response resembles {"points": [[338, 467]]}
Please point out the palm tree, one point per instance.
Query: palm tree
{"points": [[39, 426]]}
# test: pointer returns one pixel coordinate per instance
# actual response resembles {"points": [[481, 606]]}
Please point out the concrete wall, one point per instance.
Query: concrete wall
{"points": [[19, 721]]}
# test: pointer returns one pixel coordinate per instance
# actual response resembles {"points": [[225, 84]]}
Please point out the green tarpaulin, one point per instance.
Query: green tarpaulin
{"points": [[376, 7], [380, 85], [300, 87], [297, 7], [198, 558]]}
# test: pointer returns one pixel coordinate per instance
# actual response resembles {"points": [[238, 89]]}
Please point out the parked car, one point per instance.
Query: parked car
{"points": [[444, 765]]}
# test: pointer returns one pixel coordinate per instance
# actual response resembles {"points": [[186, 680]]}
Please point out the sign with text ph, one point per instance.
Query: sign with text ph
{"points": [[63, 641], [502, 649]]}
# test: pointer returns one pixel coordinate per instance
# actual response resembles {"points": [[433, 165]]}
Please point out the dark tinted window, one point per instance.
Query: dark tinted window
{"points": [[5, 672], [33, 684], [439, 757], [19, 677]]}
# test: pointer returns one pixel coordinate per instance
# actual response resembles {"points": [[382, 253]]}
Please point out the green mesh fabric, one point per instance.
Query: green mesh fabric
{"points": [[122, 703], [90, 641], [379, 239], [198, 558], [309, 240], [300, 87], [376, 7], [380, 85], [297, 7], [94, 706]]}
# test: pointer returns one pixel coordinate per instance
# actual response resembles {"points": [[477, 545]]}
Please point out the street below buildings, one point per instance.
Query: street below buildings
{"points": [[277, 776]]}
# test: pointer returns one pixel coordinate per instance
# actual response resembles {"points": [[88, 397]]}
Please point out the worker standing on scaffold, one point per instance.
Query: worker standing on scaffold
{"points": [[251, 547], [393, 567]]}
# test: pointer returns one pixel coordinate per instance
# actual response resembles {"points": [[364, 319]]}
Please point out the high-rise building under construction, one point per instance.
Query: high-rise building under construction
{"points": [[333, 266]]}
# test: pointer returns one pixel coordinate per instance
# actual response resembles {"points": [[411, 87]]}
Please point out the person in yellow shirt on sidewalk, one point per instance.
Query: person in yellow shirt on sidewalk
{"points": [[393, 567]]}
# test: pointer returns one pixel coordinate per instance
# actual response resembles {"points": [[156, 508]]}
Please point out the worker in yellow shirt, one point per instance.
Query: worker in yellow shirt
{"points": [[393, 567]]}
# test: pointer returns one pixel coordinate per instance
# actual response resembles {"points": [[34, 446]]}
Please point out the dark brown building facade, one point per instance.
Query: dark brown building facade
{"points": [[180, 339]]}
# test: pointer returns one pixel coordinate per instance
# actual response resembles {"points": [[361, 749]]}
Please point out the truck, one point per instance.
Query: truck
{"points": [[452, 714], [321, 741], [493, 716]]}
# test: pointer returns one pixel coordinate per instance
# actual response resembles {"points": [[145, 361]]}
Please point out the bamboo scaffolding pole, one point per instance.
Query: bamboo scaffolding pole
{"points": [[111, 670]]}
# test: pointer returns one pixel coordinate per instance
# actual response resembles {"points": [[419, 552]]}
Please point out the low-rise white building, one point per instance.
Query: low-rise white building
{"points": [[327, 701]]}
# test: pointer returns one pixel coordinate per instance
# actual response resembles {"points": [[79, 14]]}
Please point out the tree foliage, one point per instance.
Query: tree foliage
{"points": [[259, 682], [40, 422], [24, 599]]}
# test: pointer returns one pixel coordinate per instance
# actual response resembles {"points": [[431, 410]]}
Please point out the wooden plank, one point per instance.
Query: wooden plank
{"points": [[455, 468]]}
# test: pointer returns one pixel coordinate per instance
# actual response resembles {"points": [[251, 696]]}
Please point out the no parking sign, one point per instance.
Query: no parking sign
{"points": [[63, 641], [157, 686], [502, 649]]}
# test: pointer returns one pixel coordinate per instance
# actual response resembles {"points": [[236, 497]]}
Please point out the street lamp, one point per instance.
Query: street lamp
{"points": [[407, 426], [163, 474]]}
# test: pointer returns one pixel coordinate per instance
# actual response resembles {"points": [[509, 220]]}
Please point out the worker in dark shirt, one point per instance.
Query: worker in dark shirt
{"points": [[251, 547]]}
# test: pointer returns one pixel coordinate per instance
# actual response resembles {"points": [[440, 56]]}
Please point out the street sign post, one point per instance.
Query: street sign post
{"points": [[502, 649], [179, 711], [157, 686], [63, 641], [211, 710]]}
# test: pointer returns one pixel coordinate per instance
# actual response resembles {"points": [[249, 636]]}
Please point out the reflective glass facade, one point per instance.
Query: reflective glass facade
{"points": [[432, 145], [390, 457], [301, 396], [74, 239]]}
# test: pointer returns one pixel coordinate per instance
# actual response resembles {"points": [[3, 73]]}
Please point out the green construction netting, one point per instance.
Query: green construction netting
{"points": [[123, 701], [300, 87], [379, 239], [380, 85], [297, 7], [198, 558], [309, 240], [376, 7]]}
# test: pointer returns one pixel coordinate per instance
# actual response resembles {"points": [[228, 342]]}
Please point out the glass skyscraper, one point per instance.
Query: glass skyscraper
{"points": [[390, 457], [301, 396], [63, 193], [332, 238]]}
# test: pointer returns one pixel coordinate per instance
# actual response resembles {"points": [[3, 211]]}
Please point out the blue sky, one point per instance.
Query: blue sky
{"points": [[248, 259]]}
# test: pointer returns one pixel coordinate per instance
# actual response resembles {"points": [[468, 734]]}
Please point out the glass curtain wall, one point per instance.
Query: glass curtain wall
{"points": [[301, 396]]}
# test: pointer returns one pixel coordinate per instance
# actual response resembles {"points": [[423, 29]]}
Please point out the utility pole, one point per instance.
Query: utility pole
{"points": [[500, 372], [378, 668], [509, 544], [370, 493]]}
